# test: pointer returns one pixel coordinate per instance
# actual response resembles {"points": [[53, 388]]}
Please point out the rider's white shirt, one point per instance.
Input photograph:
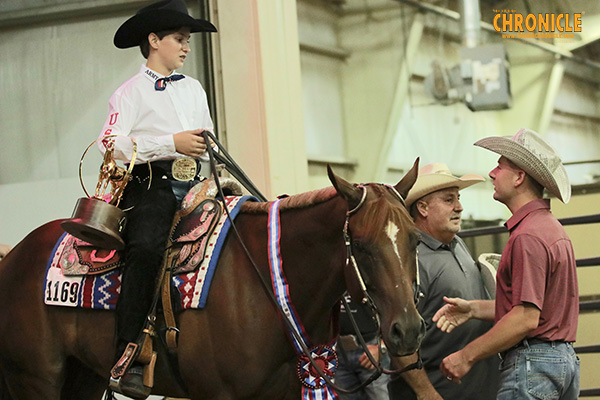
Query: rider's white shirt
{"points": [[136, 109]]}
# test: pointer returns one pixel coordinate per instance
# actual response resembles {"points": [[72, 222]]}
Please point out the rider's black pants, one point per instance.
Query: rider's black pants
{"points": [[146, 234]]}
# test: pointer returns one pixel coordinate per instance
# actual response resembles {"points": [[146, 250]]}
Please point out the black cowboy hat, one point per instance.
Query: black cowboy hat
{"points": [[160, 16]]}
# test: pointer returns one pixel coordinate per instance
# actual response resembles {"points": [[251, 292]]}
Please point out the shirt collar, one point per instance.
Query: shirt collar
{"points": [[435, 244], [151, 74], [534, 205]]}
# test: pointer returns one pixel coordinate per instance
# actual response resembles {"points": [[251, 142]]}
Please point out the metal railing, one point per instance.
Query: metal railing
{"points": [[493, 230]]}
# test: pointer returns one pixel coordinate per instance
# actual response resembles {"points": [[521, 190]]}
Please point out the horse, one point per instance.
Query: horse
{"points": [[237, 346]]}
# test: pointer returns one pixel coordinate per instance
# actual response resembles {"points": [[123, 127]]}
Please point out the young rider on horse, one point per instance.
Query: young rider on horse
{"points": [[165, 114]]}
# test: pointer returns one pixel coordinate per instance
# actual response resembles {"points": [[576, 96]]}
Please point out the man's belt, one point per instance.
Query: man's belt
{"points": [[526, 343], [180, 169]]}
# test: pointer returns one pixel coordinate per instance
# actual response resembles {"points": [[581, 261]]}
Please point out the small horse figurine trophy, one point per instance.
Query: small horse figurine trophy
{"points": [[113, 175], [97, 219]]}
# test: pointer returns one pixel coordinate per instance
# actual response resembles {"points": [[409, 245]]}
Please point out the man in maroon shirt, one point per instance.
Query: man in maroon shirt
{"points": [[537, 297]]}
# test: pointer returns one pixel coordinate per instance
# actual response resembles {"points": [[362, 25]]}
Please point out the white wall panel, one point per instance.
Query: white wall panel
{"points": [[55, 82]]}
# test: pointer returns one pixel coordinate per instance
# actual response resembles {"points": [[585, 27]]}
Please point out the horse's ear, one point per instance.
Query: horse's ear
{"points": [[345, 189], [404, 186]]}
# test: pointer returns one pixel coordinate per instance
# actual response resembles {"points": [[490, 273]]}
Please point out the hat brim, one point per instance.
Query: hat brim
{"points": [[430, 183], [133, 31], [531, 164], [488, 265]]}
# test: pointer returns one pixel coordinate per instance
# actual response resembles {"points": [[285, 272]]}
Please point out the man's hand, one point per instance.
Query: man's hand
{"points": [[455, 366], [455, 313], [364, 361], [191, 143], [417, 379]]}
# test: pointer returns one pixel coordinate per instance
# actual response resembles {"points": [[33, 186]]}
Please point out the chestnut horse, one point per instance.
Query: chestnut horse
{"points": [[236, 347]]}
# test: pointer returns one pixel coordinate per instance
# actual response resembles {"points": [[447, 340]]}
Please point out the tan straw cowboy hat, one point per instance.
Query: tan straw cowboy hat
{"points": [[488, 265], [437, 176], [536, 157]]}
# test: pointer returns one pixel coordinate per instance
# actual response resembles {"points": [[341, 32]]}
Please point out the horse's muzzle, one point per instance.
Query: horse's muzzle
{"points": [[405, 338]]}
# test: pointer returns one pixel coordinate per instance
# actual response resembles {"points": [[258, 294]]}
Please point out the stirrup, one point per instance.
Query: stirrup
{"points": [[134, 387]]}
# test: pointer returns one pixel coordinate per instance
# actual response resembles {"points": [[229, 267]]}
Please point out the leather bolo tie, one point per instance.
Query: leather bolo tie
{"points": [[161, 83]]}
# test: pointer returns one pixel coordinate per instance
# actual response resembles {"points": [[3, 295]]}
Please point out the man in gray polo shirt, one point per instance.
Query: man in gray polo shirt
{"points": [[446, 269]]}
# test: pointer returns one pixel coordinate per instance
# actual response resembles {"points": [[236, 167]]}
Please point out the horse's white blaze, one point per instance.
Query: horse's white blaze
{"points": [[391, 230]]}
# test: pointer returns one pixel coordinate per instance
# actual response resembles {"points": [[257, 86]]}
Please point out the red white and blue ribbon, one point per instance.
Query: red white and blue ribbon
{"points": [[280, 285], [314, 387]]}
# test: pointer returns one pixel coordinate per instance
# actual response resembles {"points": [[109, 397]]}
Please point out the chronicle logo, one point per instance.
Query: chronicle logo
{"points": [[536, 26]]}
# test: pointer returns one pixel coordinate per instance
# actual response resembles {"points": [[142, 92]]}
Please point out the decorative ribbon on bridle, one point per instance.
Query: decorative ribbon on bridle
{"points": [[313, 385]]}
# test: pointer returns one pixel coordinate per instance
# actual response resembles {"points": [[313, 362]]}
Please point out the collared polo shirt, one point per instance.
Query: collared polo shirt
{"points": [[449, 270], [152, 117], [363, 317], [538, 267]]}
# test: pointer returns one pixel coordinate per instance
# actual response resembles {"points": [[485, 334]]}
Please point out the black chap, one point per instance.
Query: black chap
{"points": [[146, 233]]}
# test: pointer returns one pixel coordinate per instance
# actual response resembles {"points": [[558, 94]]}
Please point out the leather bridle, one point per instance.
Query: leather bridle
{"points": [[368, 300], [350, 261]]}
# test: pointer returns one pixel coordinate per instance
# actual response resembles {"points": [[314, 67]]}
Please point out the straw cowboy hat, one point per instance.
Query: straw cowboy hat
{"points": [[488, 265], [528, 151], [437, 176], [160, 16]]}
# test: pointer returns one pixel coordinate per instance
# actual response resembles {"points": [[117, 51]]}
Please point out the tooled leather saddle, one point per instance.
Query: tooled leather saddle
{"points": [[193, 223]]}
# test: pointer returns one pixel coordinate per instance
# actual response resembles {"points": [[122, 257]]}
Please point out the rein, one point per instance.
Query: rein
{"points": [[234, 169], [266, 285]]}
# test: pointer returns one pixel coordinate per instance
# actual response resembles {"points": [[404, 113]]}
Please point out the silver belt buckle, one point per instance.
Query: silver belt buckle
{"points": [[184, 169]]}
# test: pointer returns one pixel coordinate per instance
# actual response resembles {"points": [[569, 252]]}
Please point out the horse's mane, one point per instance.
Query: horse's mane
{"points": [[298, 201], [379, 213]]}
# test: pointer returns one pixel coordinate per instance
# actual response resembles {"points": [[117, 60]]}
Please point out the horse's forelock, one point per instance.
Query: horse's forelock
{"points": [[380, 212], [303, 200]]}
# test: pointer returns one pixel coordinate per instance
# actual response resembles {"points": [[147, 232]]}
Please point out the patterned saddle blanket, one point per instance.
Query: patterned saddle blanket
{"points": [[80, 275]]}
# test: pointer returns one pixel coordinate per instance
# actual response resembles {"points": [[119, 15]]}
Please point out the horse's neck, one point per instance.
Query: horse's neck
{"points": [[313, 252]]}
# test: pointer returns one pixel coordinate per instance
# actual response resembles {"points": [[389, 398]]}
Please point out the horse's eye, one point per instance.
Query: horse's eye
{"points": [[358, 246]]}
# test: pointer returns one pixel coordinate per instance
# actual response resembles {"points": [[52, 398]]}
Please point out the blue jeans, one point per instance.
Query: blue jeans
{"points": [[181, 188], [350, 374], [540, 371]]}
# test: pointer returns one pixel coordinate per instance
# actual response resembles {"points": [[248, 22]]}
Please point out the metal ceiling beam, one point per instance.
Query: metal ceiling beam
{"points": [[60, 12], [558, 71], [453, 15], [590, 34], [400, 94]]}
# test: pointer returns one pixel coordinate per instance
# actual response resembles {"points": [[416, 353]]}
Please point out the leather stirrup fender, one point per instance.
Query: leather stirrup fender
{"points": [[171, 333], [148, 376]]}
